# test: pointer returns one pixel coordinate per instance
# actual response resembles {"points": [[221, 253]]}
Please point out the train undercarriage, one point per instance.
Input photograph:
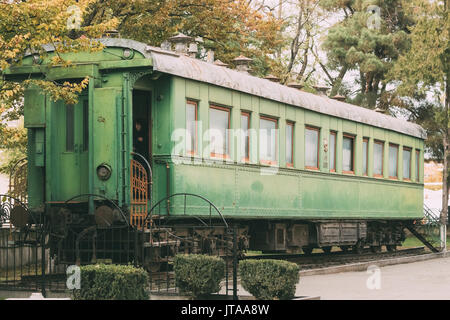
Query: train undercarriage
{"points": [[83, 239]]}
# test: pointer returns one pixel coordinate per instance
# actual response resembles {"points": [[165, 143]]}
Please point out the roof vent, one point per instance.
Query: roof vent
{"points": [[112, 34], [338, 97], [272, 78], [210, 56], [295, 85], [242, 64], [180, 41], [220, 63], [166, 45], [379, 110], [322, 90], [193, 49]]}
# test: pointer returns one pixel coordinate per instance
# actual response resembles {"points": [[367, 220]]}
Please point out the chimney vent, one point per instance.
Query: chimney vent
{"points": [[180, 41], [272, 78], [112, 34], [322, 90], [166, 45], [295, 85], [210, 56], [379, 110], [220, 63], [338, 97], [193, 49], [242, 63]]}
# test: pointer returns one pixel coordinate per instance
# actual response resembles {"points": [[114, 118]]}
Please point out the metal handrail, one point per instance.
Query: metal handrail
{"points": [[149, 215], [103, 197]]}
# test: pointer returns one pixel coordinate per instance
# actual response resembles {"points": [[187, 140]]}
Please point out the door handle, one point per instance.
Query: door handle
{"points": [[77, 151]]}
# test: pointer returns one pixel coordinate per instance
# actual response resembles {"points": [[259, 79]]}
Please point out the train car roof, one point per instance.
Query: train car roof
{"points": [[195, 69]]}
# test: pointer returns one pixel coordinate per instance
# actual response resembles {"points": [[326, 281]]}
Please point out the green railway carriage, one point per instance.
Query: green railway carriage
{"points": [[294, 170]]}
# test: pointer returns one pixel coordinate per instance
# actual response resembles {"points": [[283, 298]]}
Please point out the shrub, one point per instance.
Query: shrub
{"points": [[269, 279], [112, 282], [198, 275]]}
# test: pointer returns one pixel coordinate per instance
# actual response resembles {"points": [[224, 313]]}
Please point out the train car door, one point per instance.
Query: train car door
{"points": [[72, 143], [142, 124]]}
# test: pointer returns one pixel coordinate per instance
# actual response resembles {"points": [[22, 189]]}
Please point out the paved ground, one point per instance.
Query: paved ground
{"points": [[420, 280], [413, 281]]}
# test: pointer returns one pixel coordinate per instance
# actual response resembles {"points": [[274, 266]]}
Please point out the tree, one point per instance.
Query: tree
{"points": [[425, 68], [368, 40], [230, 28]]}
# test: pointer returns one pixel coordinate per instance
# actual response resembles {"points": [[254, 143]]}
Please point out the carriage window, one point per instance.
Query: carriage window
{"points": [[85, 125], [267, 140], [70, 128], [290, 144], [365, 155], [378, 158], [219, 123], [332, 151], [311, 148], [407, 163], [393, 160], [245, 138], [417, 165], [347, 154], [191, 127]]}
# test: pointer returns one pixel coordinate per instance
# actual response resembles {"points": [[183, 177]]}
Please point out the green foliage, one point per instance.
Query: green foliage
{"points": [[353, 44], [197, 274], [112, 282], [230, 28], [269, 279]]}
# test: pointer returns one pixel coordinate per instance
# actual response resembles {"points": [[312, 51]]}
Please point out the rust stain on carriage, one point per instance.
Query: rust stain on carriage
{"points": [[139, 194]]}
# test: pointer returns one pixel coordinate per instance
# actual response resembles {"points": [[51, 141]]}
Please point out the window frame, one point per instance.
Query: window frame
{"points": [[270, 162], [307, 127], [218, 155], [382, 159], [244, 158], [366, 173], [333, 133], [410, 162], [195, 104], [396, 161], [291, 124], [353, 137]]}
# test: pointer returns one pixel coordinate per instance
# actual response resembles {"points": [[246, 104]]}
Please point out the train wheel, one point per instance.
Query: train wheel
{"points": [[358, 248], [375, 249], [344, 248], [326, 249], [307, 250], [391, 248]]}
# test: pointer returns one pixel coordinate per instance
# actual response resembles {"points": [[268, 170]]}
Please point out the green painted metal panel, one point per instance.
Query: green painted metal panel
{"points": [[192, 89], [246, 102], [220, 95], [34, 108], [104, 124], [70, 170]]}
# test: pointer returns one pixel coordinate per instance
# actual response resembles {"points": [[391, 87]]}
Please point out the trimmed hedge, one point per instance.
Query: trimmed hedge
{"points": [[269, 279], [198, 275], [112, 282]]}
